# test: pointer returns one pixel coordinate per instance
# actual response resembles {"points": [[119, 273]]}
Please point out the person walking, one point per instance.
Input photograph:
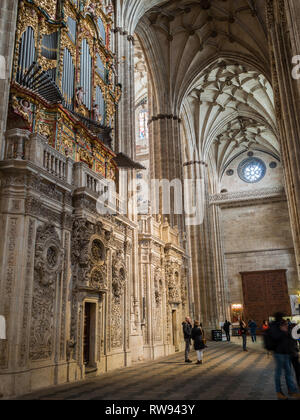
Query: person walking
{"points": [[253, 328], [226, 328], [281, 345], [199, 344], [187, 333], [243, 332]]}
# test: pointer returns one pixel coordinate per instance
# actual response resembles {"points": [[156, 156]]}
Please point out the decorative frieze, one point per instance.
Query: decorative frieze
{"points": [[236, 197]]}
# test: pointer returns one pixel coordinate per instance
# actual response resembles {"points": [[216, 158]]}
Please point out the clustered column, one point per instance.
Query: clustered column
{"points": [[8, 19], [284, 44]]}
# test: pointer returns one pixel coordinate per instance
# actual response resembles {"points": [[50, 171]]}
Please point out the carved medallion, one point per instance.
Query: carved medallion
{"points": [[98, 251]]}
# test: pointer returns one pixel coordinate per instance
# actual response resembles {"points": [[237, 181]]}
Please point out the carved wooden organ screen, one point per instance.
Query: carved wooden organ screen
{"points": [[64, 71]]}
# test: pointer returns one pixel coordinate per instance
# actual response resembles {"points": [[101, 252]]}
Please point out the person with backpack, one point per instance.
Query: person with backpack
{"points": [[277, 339], [253, 328], [226, 328]]}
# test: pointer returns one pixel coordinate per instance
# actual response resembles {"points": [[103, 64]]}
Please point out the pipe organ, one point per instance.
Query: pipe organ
{"points": [[63, 83]]}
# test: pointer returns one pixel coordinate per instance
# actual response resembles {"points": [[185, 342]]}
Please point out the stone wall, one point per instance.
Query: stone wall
{"points": [[272, 178], [257, 237]]}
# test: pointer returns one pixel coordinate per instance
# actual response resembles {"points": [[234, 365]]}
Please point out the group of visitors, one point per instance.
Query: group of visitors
{"points": [[243, 331], [196, 334], [278, 339]]}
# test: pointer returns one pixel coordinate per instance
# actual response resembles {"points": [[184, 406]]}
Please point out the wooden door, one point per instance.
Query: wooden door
{"points": [[265, 292]]}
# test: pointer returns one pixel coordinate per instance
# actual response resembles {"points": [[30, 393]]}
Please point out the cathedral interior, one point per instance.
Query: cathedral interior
{"points": [[149, 171]]}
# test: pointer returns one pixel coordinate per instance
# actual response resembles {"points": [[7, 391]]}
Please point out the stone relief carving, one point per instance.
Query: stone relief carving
{"points": [[27, 303], [118, 275], [47, 268], [98, 279], [173, 282], [88, 258], [158, 287]]}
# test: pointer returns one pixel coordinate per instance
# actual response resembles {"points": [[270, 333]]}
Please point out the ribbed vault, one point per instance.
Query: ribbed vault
{"points": [[228, 111], [181, 38]]}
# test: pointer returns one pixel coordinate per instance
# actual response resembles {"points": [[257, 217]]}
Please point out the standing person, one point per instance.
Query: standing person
{"points": [[294, 355], [226, 328], [264, 328], [265, 325], [279, 335], [243, 332], [199, 345], [253, 328], [187, 332]]}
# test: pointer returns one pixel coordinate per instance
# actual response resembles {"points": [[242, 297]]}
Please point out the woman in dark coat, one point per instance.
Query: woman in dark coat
{"points": [[199, 345]]}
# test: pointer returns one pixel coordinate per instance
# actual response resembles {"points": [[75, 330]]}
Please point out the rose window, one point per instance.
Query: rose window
{"points": [[252, 170]]}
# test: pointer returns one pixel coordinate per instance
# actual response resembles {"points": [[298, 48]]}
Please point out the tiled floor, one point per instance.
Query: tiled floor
{"points": [[228, 373]]}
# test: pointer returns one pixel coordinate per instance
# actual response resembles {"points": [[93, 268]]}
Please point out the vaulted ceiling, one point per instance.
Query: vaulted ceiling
{"points": [[229, 110], [182, 37], [209, 64]]}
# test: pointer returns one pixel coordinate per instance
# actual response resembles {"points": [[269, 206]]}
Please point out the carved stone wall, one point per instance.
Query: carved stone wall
{"points": [[47, 272], [164, 288]]}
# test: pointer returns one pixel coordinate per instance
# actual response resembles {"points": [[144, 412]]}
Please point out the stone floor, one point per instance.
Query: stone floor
{"points": [[228, 373]]}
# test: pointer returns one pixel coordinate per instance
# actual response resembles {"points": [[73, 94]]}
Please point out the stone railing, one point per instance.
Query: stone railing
{"points": [[236, 197], [16, 140], [23, 145], [84, 177], [169, 234]]}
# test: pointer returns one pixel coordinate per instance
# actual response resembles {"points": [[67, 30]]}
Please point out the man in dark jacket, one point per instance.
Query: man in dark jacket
{"points": [[253, 327], [187, 333], [279, 331], [226, 328]]}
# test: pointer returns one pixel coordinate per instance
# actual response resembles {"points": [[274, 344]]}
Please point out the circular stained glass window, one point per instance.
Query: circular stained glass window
{"points": [[252, 170]]}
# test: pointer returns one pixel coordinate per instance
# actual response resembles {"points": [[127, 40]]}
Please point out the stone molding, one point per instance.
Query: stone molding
{"points": [[247, 196], [164, 117]]}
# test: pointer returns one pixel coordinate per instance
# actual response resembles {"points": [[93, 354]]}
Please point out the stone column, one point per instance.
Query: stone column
{"points": [[17, 254], [203, 268], [222, 287], [282, 18], [8, 19], [125, 143], [166, 158]]}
